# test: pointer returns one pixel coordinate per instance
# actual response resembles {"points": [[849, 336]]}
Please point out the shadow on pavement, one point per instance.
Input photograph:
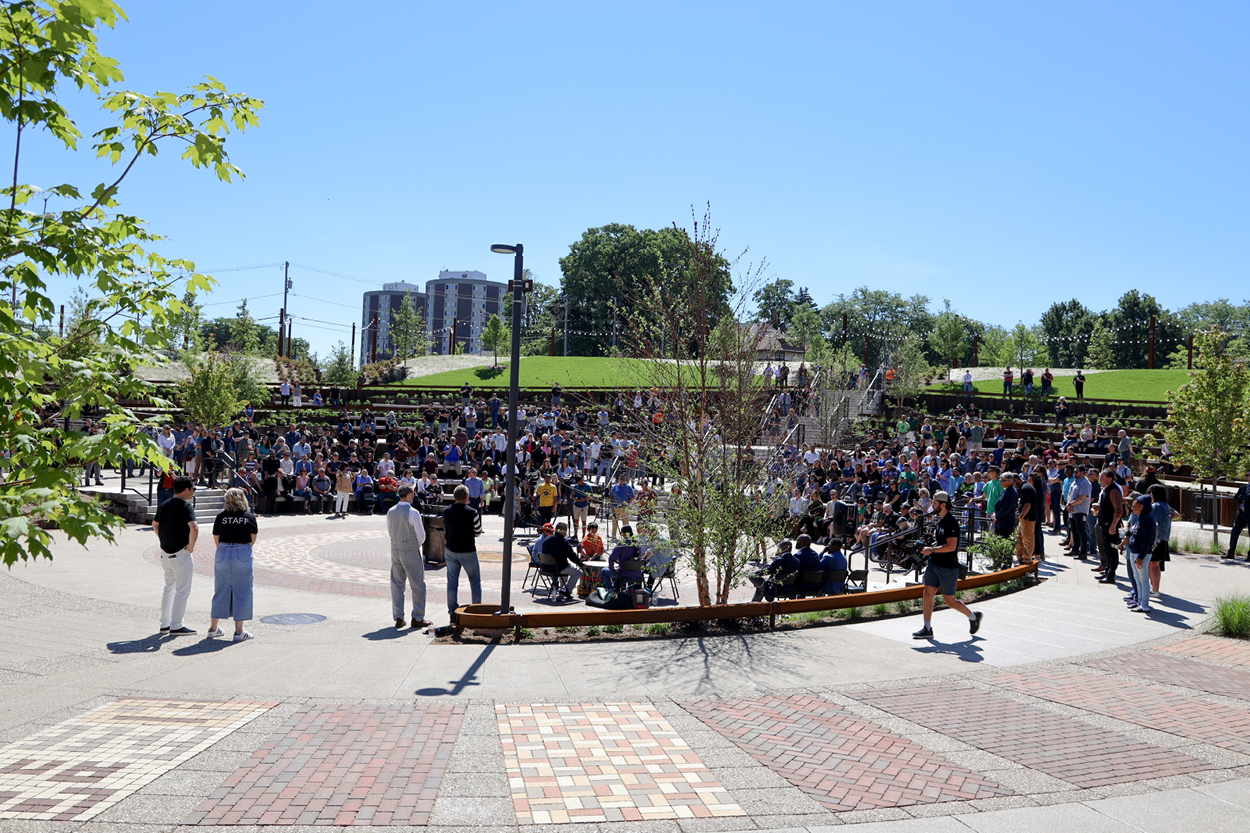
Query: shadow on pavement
{"points": [[1176, 603], [458, 686], [204, 646], [389, 632], [968, 651], [147, 645]]}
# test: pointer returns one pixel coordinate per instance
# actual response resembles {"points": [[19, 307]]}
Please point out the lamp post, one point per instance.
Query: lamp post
{"points": [[518, 287]]}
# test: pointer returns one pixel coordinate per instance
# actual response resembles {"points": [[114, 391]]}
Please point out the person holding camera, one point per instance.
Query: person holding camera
{"points": [[942, 571]]}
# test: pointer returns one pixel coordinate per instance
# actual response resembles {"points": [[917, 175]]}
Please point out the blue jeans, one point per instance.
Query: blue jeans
{"points": [[232, 573], [468, 562]]}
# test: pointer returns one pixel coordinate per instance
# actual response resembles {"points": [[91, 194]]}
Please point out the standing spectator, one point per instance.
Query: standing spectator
{"points": [[967, 381], [1048, 382], [1163, 515], [1004, 513], [234, 533], [1110, 512], [1026, 378], [462, 524], [297, 395], [1125, 447], [621, 495], [547, 493], [1025, 541], [1139, 547], [1008, 379], [768, 375], [177, 531], [581, 505], [1078, 508], [407, 534], [1078, 382], [343, 492], [1240, 520], [284, 390]]}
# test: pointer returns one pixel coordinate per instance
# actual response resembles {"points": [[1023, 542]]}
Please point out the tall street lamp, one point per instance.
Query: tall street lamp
{"points": [[518, 287]]}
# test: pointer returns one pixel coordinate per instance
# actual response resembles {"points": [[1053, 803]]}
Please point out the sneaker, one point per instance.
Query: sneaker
{"points": [[214, 633], [164, 631], [924, 633], [243, 636], [975, 624], [183, 631]]}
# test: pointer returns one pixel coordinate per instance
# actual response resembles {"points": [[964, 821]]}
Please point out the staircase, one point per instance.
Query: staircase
{"points": [[208, 502], [136, 509]]}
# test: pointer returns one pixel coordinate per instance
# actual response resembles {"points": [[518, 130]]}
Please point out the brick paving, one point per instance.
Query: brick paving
{"points": [[1178, 714], [1159, 667], [603, 763], [341, 765], [1217, 648], [843, 761], [1078, 753], [79, 768]]}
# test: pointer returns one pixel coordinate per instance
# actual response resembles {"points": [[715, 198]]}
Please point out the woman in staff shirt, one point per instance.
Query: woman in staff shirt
{"points": [[234, 532]]}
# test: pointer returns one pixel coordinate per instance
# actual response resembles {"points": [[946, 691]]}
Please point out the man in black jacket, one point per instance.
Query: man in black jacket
{"points": [[1005, 512], [557, 546], [1242, 499]]}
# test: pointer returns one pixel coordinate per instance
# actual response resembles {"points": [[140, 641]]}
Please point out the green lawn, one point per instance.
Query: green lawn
{"points": [[1119, 385], [542, 372]]}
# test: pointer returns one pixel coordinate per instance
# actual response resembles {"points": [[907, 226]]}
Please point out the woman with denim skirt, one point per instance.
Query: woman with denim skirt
{"points": [[234, 532]]}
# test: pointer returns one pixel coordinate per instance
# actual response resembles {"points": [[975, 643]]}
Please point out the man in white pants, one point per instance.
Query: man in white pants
{"points": [[177, 530], [403, 522]]}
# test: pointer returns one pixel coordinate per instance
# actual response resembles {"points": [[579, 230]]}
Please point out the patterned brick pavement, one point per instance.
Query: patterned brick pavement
{"points": [[1167, 711], [1178, 671], [1217, 648], [610, 762], [77, 769], [341, 765], [843, 761], [1075, 752]]}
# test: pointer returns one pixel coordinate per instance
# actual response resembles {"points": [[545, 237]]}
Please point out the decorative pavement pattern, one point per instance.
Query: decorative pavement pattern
{"points": [[1179, 714], [843, 761], [1064, 747], [342, 765], [1159, 667], [603, 763], [77, 769], [1232, 651]]}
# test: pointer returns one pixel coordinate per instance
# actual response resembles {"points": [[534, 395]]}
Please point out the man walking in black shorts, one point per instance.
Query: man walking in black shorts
{"points": [[942, 571]]}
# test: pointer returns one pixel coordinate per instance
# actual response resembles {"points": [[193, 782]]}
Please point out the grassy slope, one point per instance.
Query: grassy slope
{"points": [[540, 372], [1122, 385]]}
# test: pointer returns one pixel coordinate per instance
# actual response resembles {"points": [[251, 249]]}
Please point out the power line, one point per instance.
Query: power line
{"points": [[241, 300], [324, 301]]}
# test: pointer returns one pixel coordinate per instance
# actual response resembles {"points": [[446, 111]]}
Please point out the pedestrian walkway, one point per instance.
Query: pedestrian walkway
{"points": [[1066, 712]]}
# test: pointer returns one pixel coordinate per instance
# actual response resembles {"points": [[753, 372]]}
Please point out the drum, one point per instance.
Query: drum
{"points": [[592, 580]]}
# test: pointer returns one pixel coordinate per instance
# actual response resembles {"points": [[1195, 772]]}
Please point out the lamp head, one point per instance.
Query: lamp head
{"points": [[504, 249]]}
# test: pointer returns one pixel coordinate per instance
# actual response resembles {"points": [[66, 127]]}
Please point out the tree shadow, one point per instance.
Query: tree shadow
{"points": [[147, 645], [469, 678], [488, 373]]}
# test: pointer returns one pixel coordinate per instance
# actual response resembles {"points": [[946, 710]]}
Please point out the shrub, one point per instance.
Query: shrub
{"points": [[903, 606], [881, 609], [567, 629], [659, 629], [612, 628], [384, 372], [524, 633], [1000, 552], [854, 612], [593, 630], [1231, 616]]}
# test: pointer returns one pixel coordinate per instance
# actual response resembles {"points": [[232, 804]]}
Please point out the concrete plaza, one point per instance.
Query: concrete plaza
{"points": [[1066, 712]]}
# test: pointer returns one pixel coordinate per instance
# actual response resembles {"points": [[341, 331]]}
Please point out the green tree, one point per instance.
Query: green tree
{"points": [[187, 322], [1208, 426], [994, 346], [1101, 346], [612, 266], [1025, 348], [805, 327], [803, 298], [407, 332], [911, 368], [876, 317], [209, 394], [494, 336], [949, 337], [43, 45], [774, 303], [340, 369], [1130, 325], [1067, 328]]}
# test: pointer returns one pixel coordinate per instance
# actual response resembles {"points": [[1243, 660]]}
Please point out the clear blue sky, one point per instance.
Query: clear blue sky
{"points": [[1002, 155]]}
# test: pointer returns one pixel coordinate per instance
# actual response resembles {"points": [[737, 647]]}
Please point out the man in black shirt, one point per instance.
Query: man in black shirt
{"points": [[176, 528], [557, 546], [1242, 502], [461, 525], [1025, 541], [942, 571]]}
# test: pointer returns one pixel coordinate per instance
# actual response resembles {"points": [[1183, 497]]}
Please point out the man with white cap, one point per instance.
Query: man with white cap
{"points": [[942, 571]]}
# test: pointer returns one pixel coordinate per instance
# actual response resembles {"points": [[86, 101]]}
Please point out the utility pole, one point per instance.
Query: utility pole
{"points": [[844, 329], [1191, 351], [451, 342], [290, 325], [281, 329], [976, 342], [373, 340], [286, 287], [1152, 342], [614, 323], [553, 340], [353, 345], [566, 326], [63, 321]]}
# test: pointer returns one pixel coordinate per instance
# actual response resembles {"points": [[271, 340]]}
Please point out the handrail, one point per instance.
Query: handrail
{"points": [[487, 616]]}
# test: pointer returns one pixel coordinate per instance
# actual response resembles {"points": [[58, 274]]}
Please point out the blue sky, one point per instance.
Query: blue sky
{"points": [[1001, 155]]}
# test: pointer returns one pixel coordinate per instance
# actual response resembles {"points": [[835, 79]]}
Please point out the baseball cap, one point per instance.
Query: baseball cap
{"points": [[941, 497], [548, 528]]}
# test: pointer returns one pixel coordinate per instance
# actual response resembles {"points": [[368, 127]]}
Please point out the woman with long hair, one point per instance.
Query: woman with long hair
{"points": [[234, 532]]}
